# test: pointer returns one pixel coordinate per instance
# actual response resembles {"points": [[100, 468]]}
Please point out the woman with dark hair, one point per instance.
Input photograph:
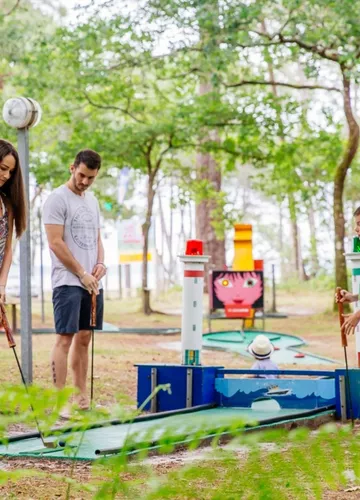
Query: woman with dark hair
{"points": [[12, 208]]}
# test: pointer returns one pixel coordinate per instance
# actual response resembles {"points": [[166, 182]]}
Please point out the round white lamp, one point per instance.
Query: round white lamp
{"points": [[22, 112]]}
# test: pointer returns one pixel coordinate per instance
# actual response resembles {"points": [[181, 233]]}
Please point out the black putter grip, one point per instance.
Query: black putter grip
{"points": [[341, 317], [6, 326], [93, 311]]}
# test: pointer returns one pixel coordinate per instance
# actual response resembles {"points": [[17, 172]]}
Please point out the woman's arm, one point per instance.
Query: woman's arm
{"points": [[5, 268]]}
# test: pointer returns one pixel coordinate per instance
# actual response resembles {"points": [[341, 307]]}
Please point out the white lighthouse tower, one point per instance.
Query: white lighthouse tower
{"points": [[193, 291], [354, 259]]}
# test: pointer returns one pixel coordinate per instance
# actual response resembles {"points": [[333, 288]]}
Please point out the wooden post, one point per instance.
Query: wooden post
{"points": [[273, 307]]}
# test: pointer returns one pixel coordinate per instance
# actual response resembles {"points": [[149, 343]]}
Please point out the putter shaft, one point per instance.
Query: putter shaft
{"points": [[344, 344], [12, 345], [92, 326]]}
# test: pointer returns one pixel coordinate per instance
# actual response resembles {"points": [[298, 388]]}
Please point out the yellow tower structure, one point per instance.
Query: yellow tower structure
{"points": [[243, 258]]}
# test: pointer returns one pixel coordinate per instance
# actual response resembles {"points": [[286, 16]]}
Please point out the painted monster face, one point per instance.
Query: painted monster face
{"points": [[238, 288]]}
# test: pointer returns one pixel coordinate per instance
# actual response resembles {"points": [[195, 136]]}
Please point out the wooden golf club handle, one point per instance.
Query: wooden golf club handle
{"points": [[6, 326], [341, 317], [93, 311]]}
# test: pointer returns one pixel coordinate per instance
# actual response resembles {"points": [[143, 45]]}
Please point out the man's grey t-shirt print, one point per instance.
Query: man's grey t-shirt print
{"points": [[80, 216]]}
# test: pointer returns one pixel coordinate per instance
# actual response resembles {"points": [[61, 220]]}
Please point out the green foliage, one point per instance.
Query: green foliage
{"points": [[269, 60], [299, 465], [103, 84], [152, 86], [322, 282], [272, 463]]}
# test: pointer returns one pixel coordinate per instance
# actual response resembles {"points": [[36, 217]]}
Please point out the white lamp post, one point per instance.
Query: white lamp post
{"points": [[23, 113]]}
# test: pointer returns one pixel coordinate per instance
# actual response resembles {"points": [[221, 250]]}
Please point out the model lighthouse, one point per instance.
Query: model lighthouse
{"points": [[193, 290]]}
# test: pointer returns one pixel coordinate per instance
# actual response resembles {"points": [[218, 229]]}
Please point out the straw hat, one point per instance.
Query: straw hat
{"points": [[261, 347]]}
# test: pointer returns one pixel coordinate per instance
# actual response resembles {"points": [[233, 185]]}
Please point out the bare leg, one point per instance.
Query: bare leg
{"points": [[79, 357], [59, 358]]}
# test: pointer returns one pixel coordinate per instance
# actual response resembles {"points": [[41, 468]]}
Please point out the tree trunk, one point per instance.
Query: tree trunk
{"points": [[182, 236], [300, 270], [314, 256], [205, 231], [207, 169], [145, 230], [167, 238], [35, 227], [281, 243], [191, 220], [171, 234], [339, 183], [295, 237], [207, 211]]}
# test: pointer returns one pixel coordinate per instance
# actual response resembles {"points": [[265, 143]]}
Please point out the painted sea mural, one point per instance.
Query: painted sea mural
{"points": [[289, 393]]}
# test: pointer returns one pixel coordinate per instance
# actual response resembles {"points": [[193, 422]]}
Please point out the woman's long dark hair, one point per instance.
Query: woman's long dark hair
{"points": [[14, 188]]}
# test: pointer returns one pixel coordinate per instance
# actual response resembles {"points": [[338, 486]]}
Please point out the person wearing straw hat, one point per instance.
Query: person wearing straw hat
{"points": [[261, 348]]}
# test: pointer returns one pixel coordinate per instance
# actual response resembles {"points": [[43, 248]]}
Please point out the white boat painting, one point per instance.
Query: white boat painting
{"points": [[275, 390]]}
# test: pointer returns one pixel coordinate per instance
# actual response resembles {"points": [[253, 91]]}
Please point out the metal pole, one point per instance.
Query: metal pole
{"points": [[41, 270], [153, 403], [25, 265]]}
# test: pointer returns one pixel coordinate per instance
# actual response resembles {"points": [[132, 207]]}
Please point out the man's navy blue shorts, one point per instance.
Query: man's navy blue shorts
{"points": [[72, 309]]}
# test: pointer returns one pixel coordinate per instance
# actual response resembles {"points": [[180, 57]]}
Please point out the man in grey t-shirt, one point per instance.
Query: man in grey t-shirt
{"points": [[72, 221]]}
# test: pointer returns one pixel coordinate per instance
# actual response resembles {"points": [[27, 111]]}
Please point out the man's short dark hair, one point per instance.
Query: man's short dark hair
{"points": [[357, 212], [90, 158]]}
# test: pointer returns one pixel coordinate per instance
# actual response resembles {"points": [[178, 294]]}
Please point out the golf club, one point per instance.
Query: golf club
{"points": [[12, 345], [344, 344], [92, 327]]}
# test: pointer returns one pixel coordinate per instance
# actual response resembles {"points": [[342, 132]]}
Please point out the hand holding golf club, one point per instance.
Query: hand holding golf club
{"points": [[6, 326], [348, 322], [345, 297]]}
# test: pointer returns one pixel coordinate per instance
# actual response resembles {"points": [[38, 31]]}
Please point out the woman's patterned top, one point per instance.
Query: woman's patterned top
{"points": [[4, 230]]}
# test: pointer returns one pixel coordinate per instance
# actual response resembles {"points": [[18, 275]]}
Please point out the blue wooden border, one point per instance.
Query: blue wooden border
{"points": [[241, 371]]}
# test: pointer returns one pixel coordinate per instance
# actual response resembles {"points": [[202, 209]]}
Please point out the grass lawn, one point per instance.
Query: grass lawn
{"points": [[310, 316]]}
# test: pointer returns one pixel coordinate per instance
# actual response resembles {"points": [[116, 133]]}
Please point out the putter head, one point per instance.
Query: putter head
{"points": [[51, 444], [49, 447], [56, 444]]}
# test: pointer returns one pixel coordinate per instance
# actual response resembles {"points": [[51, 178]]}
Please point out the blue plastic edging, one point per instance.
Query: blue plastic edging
{"points": [[238, 371]]}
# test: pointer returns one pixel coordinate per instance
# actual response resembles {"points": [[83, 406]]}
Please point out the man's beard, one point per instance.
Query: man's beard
{"points": [[78, 187]]}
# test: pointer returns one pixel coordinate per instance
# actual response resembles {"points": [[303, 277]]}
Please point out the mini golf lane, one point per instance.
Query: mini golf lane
{"points": [[181, 426], [286, 346]]}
